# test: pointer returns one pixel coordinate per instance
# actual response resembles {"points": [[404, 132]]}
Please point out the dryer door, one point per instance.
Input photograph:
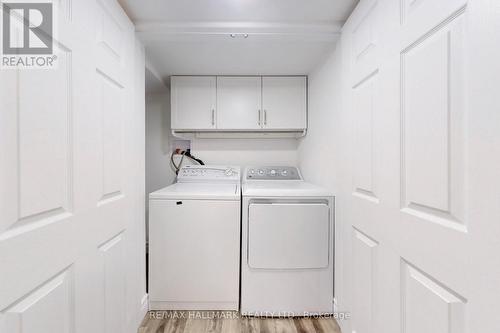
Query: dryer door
{"points": [[288, 235]]}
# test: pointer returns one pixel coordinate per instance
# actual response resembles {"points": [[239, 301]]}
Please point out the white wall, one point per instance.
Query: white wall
{"points": [[321, 152], [245, 152], [137, 250], [158, 171], [320, 148]]}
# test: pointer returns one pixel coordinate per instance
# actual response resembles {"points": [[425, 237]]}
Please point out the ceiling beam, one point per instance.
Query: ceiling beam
{"points": [[214, 28]]}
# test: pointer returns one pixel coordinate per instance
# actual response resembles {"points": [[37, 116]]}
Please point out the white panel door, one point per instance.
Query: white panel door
{"points": [[239, 102], [284, 102], [193, 102], [70, 192], [420, 182]]}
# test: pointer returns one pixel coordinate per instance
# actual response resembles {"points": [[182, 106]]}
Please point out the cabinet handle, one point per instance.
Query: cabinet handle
{"points": [[258, 121], [213, 117], [265, 117]]}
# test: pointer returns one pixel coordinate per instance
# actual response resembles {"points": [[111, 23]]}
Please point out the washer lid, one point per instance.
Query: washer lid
{"points": [[197, 191], [284, 189]]}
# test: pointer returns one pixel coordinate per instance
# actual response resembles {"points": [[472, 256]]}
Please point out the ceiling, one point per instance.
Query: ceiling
{"points": [[193, 36]]}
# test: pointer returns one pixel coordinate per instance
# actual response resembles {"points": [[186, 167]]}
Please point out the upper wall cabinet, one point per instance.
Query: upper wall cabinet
{"points": [[269, 105], [193, 102], [284, 102], [239, 102]]}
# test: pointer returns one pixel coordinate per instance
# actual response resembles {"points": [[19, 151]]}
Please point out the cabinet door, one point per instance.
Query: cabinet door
{"points": [[193, 101], [239, 101], [284, 102]]}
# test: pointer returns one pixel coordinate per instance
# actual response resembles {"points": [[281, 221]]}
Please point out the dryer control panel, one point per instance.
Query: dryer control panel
{"points": [[272, 173]]}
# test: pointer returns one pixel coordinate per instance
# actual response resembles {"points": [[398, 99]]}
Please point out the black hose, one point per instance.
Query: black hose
{"points": [[184, 153]]}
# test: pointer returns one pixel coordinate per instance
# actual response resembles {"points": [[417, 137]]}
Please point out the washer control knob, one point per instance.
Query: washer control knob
{"points": [[273, 172], [284, 172], [261, 172]]}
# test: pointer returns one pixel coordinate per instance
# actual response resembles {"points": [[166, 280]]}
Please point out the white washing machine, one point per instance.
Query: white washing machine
{"points": [[287, 264], [194, 241]]}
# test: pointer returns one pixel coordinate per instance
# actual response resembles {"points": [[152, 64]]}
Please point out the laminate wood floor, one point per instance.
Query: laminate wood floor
{"points": [[231, 322]]}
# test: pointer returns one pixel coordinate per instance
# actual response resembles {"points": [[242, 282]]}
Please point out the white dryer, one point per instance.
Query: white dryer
{"points": [[194, 241], [287, 264]]}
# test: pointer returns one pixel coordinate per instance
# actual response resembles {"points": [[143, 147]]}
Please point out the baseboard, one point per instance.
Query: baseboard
{"points": [[144, 306], [228, 306]]}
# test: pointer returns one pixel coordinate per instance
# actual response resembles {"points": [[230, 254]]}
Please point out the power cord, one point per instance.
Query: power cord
{"points": [[183, 153]]}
